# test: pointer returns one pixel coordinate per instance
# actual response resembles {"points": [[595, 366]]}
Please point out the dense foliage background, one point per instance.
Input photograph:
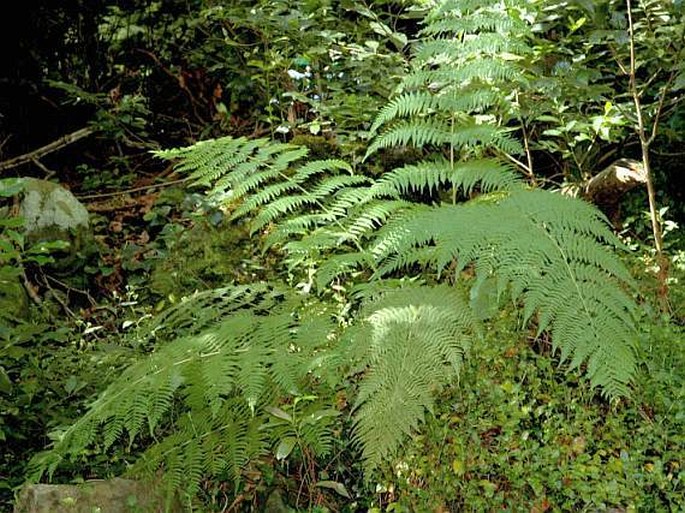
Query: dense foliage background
{"points": [[553, 92]]}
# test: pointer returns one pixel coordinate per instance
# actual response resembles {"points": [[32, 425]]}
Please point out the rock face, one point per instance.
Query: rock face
{"points": [[108, 496], [49, 207], [52, 213]]}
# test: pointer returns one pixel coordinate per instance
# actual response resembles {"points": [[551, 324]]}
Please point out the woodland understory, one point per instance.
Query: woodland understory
{"points": [[347, 256]]}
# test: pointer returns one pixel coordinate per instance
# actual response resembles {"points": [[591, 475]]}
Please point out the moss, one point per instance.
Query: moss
{"points": [[14, 303], [202, 257], [319, 147]]}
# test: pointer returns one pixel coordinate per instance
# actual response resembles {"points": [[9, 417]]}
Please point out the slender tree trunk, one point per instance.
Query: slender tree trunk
{"points": [[646, 140]]}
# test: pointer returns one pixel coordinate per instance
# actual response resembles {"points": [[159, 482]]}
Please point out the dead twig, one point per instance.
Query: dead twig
{"points": [[34, 155]]}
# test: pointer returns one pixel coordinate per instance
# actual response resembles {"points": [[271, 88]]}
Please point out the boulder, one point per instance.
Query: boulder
{"points": [[106, 496], [51, 213], [48, 207]]}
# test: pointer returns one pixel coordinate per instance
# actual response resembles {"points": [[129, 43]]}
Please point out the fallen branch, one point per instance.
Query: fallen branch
{"points": [[48, 148]]}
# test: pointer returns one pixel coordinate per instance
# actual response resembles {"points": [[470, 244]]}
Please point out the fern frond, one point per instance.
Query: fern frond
{"points": [[441, 21], [245, 178], [420, 133], [211, 157], [485, 45], [485, 71], [288, 204], [490, 175], [413, 341], [421, 102], [407, 104], [298, 180], [216, 380], [553, 251]]}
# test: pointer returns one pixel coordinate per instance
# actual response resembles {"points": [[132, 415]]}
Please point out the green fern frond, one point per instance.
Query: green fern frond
{"points": [[420, 133], [294, 228], [499, 22], [245, 178], [339, 265], [209, 156], [260, 196], [488, 71], [289, 204], [489, 175], [485, 45], [407, 104], [412, 341], [227, 369], [417, 133], [371, 217], [553, 251], [421, 102]]}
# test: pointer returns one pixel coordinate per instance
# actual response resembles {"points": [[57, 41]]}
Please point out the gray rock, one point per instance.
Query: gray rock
{"points": [[107, 496], [47, 205], [52, 213]]}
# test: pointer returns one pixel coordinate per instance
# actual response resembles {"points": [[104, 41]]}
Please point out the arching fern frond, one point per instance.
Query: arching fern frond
{"points": [[420, 133], [433, 175], [552, 251], [213, 386]]}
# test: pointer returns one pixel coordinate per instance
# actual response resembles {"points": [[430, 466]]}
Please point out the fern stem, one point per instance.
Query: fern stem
{"points": [[454, 186]]}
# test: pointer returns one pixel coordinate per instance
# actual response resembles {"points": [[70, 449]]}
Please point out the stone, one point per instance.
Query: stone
{"points": [[101, 496], [49, 206], [52, 213]]}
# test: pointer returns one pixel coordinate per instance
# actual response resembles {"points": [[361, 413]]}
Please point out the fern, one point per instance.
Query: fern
{"points": [[551, 251], [244, 356], [212, 386], [421, 133]]}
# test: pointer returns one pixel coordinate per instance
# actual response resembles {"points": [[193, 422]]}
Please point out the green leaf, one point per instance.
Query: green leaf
{"points": [[679, 82], [285, 447], [339, 488], [320, 414], [12, 222], [277, 412], [16, 237], [48, 247], [11, 186], [70, 384], [5, 381]]}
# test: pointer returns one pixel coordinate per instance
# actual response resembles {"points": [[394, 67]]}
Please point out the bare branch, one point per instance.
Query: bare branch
{"points": [[48, 148]]}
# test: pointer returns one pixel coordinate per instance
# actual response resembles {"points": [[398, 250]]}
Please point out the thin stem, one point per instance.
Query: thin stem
{"points": [[454, 187], [645, 143]]}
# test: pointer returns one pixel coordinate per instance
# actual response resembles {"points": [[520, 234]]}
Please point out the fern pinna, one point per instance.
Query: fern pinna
{"points": [[397, 338]]}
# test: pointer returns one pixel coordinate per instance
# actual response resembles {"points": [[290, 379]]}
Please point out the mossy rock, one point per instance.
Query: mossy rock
{"points": [[47, 206], [319, 147], [202, 257], [106, 496], [52, 213]]}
